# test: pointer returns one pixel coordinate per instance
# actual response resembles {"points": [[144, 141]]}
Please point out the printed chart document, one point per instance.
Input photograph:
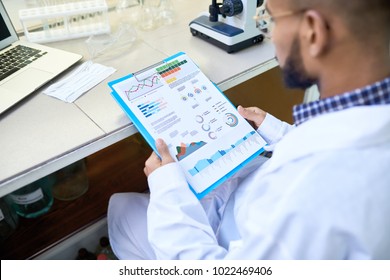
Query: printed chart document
{"points": [[175, 101]]}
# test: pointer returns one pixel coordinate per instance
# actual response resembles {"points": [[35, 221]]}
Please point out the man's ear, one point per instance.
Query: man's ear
{"points": [[315, 32]]}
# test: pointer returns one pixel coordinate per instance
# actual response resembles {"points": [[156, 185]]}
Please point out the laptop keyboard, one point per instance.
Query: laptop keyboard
{"points": [[17, 58]]}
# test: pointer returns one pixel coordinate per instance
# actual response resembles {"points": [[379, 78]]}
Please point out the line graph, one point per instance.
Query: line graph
{"points": [[143, 87]]}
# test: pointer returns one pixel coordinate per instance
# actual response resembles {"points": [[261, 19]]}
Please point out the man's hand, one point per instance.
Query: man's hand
{"points": [[254, 115], [154, 161]]}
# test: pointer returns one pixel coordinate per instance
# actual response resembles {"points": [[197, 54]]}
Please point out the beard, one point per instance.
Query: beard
{"points": [[294, 73]]}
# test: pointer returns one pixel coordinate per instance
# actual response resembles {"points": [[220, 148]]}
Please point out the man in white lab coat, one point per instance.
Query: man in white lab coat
{"points": [[325, 192]]}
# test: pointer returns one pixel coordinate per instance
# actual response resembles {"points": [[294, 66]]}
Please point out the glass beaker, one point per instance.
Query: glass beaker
{"points": [[166, 13], [128, 10], [71, 181], [149, 18], [34, 199]]}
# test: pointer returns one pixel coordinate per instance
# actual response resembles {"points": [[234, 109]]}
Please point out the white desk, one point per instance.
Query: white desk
{"points": [[43, 134]]}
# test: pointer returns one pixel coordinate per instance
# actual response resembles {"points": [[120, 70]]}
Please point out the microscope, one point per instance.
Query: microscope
{"points": [[229, 25]]}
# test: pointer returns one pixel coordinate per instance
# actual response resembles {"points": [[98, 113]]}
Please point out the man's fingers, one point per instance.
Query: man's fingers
{"points": [[250, 113], [152, 163], [253, 114], [163, 150]]}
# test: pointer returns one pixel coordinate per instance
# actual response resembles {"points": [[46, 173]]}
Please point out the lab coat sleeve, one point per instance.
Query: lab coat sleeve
{"points": [[178, 227], [273, 129]]}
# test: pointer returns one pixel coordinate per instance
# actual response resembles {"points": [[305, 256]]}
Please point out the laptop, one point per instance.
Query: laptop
{"points": [[24, 66]]}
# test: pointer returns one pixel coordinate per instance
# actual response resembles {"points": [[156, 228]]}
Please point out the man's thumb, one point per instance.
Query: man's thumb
{"points": [[247, 114], [163, 150]]}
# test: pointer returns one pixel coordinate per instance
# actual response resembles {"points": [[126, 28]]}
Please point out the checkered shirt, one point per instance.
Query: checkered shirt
{"points": [[375, 94]]}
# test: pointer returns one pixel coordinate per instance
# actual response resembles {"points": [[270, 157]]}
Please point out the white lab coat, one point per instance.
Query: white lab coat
{"points": [[324, 194]]}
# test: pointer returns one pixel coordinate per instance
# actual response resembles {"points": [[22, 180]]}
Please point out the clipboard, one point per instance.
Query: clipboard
{"points": [[174, 100]]}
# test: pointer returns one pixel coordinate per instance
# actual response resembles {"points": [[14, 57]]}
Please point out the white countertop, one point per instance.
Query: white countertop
{"points": [[43, 134]]}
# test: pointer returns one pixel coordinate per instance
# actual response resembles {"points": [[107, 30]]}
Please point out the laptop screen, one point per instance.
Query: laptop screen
{"points": [[4, 33], [7, 31]]}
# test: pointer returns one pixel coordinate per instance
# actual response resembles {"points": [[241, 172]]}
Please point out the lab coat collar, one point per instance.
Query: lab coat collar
{"points": [[356, 128]]}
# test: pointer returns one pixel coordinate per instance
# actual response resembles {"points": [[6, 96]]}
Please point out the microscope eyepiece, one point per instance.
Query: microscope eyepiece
{"points": [[213, 11]]}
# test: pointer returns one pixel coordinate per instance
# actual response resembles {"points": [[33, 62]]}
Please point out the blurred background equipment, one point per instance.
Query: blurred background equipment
{"points": [[229, 25]]}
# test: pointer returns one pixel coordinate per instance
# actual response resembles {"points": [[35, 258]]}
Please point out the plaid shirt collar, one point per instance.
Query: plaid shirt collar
{"points": [[375, 94]]}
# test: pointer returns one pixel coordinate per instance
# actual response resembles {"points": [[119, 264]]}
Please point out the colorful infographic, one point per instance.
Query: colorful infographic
{"points": [[205, 163], [143, 87], [175, 101]]}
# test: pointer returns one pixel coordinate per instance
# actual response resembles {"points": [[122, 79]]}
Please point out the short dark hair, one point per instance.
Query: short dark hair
{"points": [[362, 17]]}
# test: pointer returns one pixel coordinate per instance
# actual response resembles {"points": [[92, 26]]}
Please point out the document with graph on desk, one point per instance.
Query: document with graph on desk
{"points": [[175, 101]]}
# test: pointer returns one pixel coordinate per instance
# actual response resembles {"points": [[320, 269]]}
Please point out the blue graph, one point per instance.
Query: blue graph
{"points": [[152, 107], [205, 163]]}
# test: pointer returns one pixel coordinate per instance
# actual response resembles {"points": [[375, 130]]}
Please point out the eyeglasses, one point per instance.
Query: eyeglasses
{"points": [[265, 22]]}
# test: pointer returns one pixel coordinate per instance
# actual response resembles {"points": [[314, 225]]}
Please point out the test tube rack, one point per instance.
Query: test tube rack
{"points": [[65, 21]]}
